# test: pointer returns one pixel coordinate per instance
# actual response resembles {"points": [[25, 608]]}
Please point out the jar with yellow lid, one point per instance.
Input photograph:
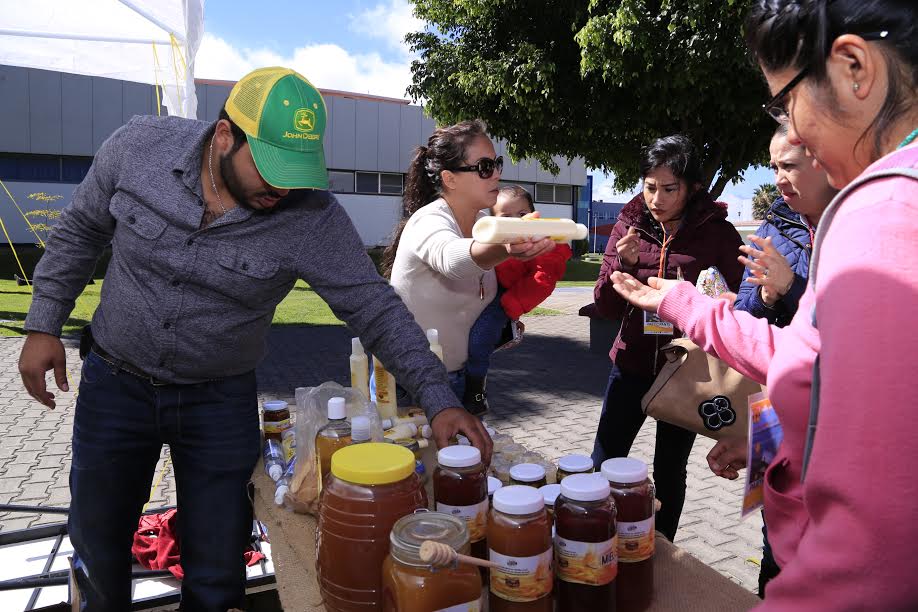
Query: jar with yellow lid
{"points": [[370, 488], [410, 585]]}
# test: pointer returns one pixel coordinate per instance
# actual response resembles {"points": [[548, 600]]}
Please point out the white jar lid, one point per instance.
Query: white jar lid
{"points": [[585, 487], [459, 456], [275, 405], [550, 493], [493, 485], [624, 470], [575, 463], [336, 408], [527, 472], [518, 500]]}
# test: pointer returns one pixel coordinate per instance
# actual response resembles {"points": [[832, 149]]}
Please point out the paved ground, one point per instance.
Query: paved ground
{"points": [[546, 393]]}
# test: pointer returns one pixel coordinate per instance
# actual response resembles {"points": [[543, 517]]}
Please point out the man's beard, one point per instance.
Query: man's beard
{"points": [[231, 181]]}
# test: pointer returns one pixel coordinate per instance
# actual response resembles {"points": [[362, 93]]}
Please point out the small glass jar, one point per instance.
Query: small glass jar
{"points": [[634, 497], [276, 419], [519, 539], [586, 548], [528, 474], [550, 493], [410, 585], [574, 464], [461, 490]]}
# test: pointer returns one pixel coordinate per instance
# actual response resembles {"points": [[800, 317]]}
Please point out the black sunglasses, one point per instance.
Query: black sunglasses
{"points": [[485, 167], [776, 106]]}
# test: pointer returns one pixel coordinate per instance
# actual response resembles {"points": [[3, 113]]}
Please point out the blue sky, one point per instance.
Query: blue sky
{"points": [[351, 45]]}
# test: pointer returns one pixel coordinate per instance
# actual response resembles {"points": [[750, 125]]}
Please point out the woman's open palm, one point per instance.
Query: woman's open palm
{"points": [[645, 297]]}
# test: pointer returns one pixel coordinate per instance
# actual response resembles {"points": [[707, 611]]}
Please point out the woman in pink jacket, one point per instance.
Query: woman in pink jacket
{"points": [[841, 496]]}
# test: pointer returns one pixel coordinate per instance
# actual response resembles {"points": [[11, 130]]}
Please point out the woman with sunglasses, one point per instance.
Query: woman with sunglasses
{"points": [[446, 278], [841, 497], [674, 229]]}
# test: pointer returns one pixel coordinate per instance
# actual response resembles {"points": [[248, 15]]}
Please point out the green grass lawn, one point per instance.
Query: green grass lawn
{"points": [[301, 307]]}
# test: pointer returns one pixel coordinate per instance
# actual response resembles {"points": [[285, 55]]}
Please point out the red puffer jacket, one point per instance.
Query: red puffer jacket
{"points": [[705, 239], [529, 283]]}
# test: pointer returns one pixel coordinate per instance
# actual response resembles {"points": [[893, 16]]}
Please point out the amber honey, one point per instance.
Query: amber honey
{"points": [[520, 542]]}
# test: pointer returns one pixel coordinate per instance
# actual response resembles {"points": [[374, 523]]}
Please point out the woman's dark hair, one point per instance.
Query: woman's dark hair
{"points": [[798, 34], [677, 153], [445, 150], [515, 192]]}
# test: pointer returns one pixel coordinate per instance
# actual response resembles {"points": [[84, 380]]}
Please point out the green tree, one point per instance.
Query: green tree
{"points": [[597, 79], [762, 199]]}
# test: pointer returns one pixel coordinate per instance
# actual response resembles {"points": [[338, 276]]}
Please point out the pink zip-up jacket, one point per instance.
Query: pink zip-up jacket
{"points": [[847, 538]]}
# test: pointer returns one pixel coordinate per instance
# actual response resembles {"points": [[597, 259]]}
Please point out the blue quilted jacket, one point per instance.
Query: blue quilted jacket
{"points": [[790, 235]]}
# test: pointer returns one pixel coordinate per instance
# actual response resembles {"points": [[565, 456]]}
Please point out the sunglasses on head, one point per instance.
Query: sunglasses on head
{"points": [[485, 167]]}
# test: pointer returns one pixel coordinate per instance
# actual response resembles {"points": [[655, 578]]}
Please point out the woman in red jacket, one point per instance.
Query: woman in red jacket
{"points": [[673, 229], [522, 285]]}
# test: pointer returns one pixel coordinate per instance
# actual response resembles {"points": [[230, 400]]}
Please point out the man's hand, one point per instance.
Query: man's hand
{"points": [[452, 421], [629, 248], [40, 353], [728, 457]]}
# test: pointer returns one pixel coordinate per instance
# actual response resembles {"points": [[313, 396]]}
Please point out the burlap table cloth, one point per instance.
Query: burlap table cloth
{"points": [[682, 583]]}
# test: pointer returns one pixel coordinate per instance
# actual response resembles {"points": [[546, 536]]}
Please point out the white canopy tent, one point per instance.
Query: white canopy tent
{"points": [[145, 41]]}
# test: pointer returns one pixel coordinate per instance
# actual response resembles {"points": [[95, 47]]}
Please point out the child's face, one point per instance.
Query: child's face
{"points": [[510, 207]]}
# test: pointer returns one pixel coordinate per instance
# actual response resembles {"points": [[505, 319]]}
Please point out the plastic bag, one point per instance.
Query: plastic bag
{"points": [[711, 282], [311, 415]]}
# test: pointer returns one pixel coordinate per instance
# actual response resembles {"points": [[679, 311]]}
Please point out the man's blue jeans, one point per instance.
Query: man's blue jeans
{"points": [[120, 425]]}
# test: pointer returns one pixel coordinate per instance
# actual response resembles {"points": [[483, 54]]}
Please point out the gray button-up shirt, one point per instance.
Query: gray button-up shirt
{"points": [[186, 304]]}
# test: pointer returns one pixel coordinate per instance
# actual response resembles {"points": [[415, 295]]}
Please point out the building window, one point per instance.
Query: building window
{"points": [[564, 194], [340, 182], [44, 168], [367, 182], [554, 194], [390, 184]]}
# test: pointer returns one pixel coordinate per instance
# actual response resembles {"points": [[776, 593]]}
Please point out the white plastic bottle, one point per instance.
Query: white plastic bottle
{"points": [[433, 338], [385, 390], [402, 430], [274, 459], [360, 368], [360, 430], [283, 485], [501, 230]]}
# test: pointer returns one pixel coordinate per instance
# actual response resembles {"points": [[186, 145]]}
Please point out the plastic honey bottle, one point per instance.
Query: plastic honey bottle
{"points": [[501, 230], [360, 372], [334, 435], [385, 390]]}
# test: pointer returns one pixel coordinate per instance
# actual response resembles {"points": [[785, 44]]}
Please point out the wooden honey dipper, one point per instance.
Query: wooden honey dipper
{"points": [[438, 554]]}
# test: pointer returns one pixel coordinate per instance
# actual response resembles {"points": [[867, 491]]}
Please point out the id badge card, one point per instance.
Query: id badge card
{"points": [[655, 326], [764, 438]]}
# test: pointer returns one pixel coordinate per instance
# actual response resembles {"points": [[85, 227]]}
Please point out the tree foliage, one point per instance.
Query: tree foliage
{"points": [[597, 79], [762, 199]]}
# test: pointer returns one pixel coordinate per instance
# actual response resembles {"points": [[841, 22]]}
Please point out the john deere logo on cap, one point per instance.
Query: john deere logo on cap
{"points": [[304, 120]]}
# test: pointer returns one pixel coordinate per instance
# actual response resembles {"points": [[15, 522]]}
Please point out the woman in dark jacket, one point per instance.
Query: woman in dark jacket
{"points": [[674, 229]]}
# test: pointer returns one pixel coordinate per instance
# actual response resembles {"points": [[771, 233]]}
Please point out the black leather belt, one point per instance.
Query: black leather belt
{"points": [[124, 366]]}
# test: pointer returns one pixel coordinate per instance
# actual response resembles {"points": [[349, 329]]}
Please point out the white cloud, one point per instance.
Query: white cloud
{"points": [[327, 66], [604, 189], [738, 207], [389, 23]]}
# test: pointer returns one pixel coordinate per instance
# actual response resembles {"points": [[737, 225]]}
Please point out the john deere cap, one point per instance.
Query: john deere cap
{"points": [[283, 117]]}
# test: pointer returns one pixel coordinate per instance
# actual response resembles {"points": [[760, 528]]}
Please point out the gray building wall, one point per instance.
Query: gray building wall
{"points": [[54, 113]]}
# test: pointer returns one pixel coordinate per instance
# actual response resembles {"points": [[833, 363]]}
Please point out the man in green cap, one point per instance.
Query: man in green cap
{"points": [[210, 226]]}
